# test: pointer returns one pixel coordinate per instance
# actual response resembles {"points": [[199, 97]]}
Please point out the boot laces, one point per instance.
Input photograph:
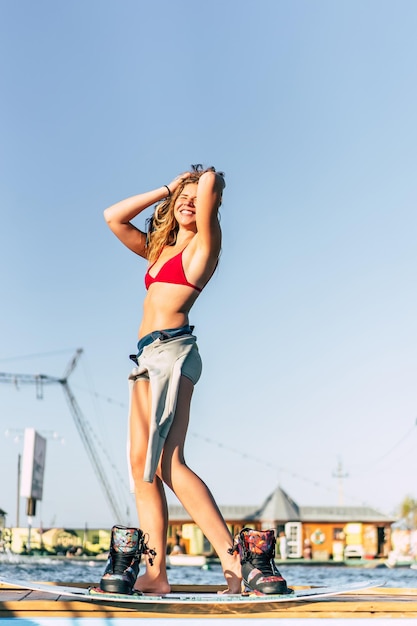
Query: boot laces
{"points": [[146, 550]]}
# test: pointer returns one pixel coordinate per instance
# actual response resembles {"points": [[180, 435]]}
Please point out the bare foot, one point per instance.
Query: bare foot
{"points": [[233, 574], [232, 589], [156, 585]]}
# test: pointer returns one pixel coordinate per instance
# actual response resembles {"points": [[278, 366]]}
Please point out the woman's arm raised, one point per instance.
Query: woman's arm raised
{"points": [[209, 197], [119, 216]]}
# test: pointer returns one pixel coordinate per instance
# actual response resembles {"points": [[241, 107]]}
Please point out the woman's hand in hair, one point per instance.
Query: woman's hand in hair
{"points": [[174, 184]]}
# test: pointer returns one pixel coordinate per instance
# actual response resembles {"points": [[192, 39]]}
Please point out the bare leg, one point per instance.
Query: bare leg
{"points": [[188, 487], [150, 497], [193, 492]]}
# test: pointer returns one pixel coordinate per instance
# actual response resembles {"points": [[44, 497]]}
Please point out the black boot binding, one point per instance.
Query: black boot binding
{"points": [[259, 572], [126, 548]]}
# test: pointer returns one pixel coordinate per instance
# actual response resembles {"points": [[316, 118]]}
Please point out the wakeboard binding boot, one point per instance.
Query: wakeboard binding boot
{"points": [[256, 549], [126, 548]]}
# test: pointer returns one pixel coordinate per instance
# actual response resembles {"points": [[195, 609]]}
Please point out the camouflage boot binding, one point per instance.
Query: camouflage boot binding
{"points": [[259, 572], [126, 548]]}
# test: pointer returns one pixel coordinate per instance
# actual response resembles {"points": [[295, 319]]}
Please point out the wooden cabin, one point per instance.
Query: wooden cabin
{"points": [[321, 533]]}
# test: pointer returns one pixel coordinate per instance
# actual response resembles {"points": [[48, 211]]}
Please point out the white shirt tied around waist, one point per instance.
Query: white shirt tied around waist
{"points": [[163, 362]]}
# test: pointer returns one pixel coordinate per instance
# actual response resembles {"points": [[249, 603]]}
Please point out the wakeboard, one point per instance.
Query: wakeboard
{"points": [[94, 594]]}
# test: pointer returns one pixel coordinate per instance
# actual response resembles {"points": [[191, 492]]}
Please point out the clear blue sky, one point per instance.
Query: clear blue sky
{"points": [[308, 330]]}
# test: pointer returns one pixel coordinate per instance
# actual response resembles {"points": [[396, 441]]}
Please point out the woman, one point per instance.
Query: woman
{"points": [[182, 248]]}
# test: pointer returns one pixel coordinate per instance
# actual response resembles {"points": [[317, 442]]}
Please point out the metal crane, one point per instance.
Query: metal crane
{"points": [[39, 380]]}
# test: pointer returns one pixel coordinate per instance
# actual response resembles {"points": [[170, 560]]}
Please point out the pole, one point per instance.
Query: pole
{"points": [[19, 459], [31, 512]]}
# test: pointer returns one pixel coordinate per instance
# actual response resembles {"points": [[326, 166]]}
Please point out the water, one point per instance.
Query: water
{"points": [[89, 571]]}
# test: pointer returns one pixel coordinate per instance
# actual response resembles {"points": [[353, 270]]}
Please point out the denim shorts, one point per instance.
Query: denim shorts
{"points": [[167, 333]]}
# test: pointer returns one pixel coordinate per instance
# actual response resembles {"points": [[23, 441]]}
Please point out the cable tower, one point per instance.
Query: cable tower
{"points": [[340, 475], [39, 380]]}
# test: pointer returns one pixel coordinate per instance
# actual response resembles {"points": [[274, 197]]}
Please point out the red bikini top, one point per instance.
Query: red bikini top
{"points": [[171, 272]]}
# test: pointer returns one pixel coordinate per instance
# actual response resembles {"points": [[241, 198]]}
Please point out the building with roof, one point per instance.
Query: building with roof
{"points": [[310, 532]]}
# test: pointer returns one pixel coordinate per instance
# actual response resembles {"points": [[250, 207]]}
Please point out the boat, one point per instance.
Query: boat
{"points": [[184, 560]]}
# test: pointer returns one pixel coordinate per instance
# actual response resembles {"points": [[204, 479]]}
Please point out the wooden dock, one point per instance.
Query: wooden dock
{"points": [[379, 602]]}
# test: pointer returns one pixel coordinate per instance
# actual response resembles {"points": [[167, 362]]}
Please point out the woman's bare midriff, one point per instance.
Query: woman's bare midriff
{"points": [[166, 306]]}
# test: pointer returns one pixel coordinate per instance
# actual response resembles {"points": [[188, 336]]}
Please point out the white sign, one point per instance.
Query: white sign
{"points": [[33, 465]]}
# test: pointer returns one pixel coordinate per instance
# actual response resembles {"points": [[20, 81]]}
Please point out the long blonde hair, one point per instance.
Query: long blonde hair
{"points": [[162, 226]]}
